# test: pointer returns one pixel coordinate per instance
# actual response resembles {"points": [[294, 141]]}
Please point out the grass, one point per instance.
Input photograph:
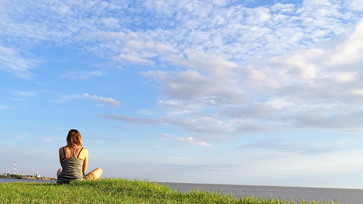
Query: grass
{"points": [[117, 191]]}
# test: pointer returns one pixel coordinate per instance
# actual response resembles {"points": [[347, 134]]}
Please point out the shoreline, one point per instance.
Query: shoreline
{"points": [[31, 178]]}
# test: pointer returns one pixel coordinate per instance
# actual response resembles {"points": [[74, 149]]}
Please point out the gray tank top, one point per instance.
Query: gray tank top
{"points": [[72, 167]]}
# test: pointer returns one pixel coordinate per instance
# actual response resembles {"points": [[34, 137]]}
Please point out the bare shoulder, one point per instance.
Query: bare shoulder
{"points": [[84, 151]]}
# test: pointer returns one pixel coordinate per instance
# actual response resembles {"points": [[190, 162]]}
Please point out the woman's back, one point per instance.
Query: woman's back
{"points": [[72, 166]]}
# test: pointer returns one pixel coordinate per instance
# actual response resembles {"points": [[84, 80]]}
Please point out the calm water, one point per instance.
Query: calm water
{"points": [[353, 196], [25, 180]]}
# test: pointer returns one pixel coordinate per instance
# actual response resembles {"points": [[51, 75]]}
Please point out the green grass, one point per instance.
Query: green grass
{"points": [[116, 191]]}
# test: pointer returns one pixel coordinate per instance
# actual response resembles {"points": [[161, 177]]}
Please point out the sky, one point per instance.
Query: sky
{"points": [[195, 91]]}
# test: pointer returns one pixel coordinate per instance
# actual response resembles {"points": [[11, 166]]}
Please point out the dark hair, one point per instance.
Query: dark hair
{"points": [[74, 138]]}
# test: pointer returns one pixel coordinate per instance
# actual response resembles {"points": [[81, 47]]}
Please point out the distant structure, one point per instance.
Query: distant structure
{"points": [[14, 166], [23, 173], [36, 175]]}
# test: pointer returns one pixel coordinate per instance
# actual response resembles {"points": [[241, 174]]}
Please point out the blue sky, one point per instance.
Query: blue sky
{"points": [[218, 91]]}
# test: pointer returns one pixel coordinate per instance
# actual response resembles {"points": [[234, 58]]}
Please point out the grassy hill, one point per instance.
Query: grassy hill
{"points": [[116, 191]]}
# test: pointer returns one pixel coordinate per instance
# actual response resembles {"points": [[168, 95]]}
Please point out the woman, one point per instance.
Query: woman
{"points": [[74, 160]]}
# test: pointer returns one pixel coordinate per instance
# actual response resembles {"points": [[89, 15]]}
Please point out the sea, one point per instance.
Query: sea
{"points": [[3, 180], [296, 194]]}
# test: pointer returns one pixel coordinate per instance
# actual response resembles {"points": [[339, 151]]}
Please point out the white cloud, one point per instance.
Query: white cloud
{"points": [[109, 35], [345, 77], [213, 74], [177, 107], [299, 64], [4, 107], [191, 140], [351, 50], [214, 96], [281, 145], [258, 16], [78, 74], [179, 160], [145, 112], [12, 61], [107, 101], [25, 93], [188, 85], [135, 59], [283, 7], [101, 100], [166, 136], [219, 28], [62, 9], [322, 119], [208, 63], [279, 103], [67, 98], [208, 80], [45, 139], [254, 110], [210, 125], [144, 121], [355, 4], [110, 22]]}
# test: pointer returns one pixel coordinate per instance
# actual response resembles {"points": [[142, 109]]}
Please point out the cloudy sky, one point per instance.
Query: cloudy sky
{"points": [[249, 92]]}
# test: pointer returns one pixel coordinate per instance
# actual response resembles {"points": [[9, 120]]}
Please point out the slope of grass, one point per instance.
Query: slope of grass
{"points": [[116, 191]]}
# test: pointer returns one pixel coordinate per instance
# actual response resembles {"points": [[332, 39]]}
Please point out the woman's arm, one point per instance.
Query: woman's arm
{"points": [[60, 153], [85, 160]]}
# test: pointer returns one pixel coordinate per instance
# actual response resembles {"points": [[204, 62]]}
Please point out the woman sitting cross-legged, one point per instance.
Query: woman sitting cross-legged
{"points": [[74, 160]]}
